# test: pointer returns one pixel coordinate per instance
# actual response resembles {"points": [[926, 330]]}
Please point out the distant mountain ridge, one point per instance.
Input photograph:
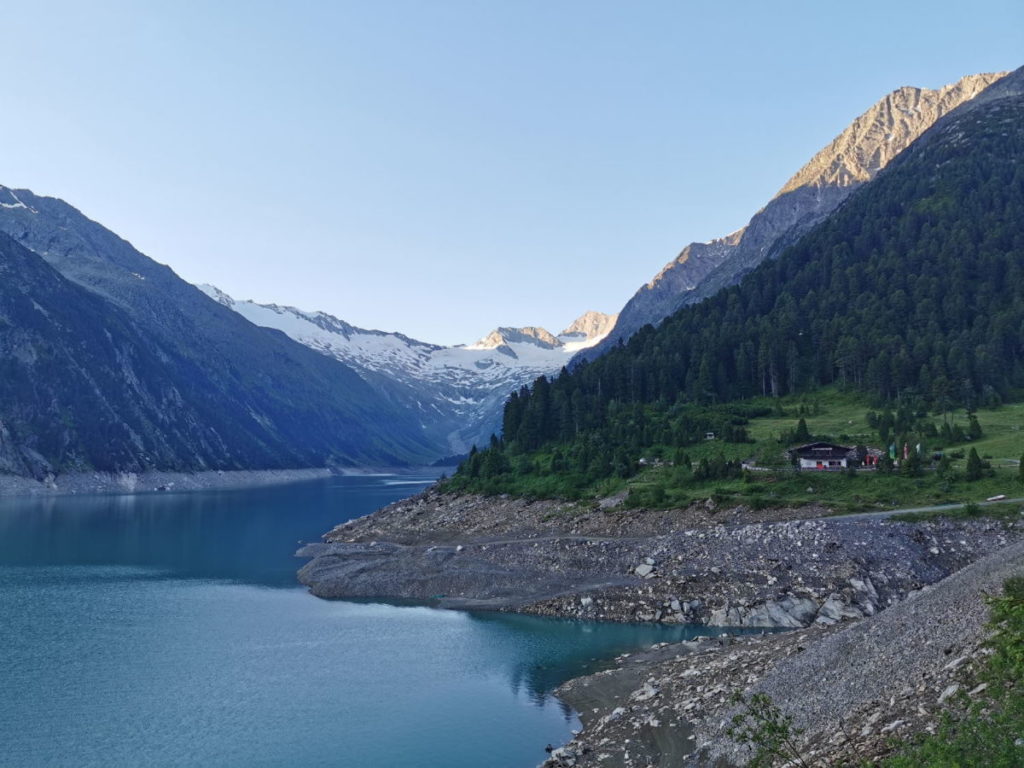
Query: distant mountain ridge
{"points": [[853, 158], [591, 325], [458, 392]]}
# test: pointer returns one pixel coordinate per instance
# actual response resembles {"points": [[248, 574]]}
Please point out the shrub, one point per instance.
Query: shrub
{"points": [[768, 733]]}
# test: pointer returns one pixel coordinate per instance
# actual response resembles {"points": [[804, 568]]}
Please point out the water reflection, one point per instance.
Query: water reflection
{"points": [[167, 629], [539, 654]]}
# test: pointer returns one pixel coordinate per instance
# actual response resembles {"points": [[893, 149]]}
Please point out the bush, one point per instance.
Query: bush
{"points": [[768, 733], [646, 496], [972, 510]]}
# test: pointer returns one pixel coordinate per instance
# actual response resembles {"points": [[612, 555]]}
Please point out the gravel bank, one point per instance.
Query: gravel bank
{"points": [[885, 617], [855, 686], [550, 559], [436, 518]]}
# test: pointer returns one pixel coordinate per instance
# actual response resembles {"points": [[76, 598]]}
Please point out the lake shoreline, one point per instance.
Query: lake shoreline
{"points": [[174, 608], [796, 569], [76, 483], [703, 565], [156, 481]]}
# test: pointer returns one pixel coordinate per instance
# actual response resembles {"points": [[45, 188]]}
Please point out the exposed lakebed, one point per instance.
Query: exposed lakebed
{"points": [[168, 629]]}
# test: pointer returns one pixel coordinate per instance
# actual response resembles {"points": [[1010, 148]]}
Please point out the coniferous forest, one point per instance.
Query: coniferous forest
{"points": [[914, 289]]}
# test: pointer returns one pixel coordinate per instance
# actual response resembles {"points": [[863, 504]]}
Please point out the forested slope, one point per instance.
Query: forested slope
{"points": [[915, 286]]}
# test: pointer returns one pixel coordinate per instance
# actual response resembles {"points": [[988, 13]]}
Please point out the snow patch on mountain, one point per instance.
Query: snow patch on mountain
{"points": [[459, 391]]}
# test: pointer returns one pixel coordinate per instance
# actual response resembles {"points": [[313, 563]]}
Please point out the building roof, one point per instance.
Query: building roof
{"points": [[822, 451]]}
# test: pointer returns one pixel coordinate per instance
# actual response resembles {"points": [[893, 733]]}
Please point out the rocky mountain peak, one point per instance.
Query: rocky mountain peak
{"points": [[872, 140], [9, 199], [529, 335], [591, 325], [853, 158]]}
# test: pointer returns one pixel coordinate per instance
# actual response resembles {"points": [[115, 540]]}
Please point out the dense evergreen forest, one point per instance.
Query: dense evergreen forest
{"points": [[913, 289]]}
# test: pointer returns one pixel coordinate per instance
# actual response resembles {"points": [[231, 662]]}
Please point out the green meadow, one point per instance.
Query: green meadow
{"points": [[668, 476]]}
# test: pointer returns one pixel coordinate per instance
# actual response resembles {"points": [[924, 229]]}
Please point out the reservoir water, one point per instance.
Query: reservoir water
{"points": [[167, 629]]}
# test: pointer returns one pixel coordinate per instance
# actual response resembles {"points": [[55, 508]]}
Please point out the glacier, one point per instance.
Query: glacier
{"points": [[459, 391]]}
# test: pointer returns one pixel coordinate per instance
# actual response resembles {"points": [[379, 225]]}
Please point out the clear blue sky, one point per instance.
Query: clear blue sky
{"points": [[441, 168]]}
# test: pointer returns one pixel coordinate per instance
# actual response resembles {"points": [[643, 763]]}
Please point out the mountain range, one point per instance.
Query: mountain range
{"points": [[110, 361], [911, 293], [459, 392], [456, 392]]}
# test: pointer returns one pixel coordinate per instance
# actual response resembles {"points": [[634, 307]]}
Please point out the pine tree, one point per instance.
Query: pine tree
{"points": [[802, 434], [975, 466]]}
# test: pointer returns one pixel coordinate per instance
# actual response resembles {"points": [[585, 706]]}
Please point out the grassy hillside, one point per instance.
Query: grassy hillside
{"points": [[668, 476]]}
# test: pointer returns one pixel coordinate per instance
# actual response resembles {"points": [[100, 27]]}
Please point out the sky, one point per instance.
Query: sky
{"points": [[444, 167]]}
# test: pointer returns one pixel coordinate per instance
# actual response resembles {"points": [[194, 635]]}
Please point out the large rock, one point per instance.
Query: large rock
{"points": [[789, 612], [834, 609]]}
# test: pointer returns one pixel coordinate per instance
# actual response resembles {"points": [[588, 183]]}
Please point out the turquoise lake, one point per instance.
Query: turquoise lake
{"points": [[167, 629]]}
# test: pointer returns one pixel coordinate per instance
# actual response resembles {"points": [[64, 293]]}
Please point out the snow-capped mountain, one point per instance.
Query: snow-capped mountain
{"points": [[458, 391]]}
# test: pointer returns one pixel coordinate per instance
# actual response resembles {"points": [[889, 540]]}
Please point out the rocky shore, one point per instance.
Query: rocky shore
{"points": [[700, 565], [856, 689], [862, 597]]}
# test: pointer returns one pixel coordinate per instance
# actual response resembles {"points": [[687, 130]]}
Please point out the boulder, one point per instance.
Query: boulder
{"points": [[834, 609], [948, 692]]}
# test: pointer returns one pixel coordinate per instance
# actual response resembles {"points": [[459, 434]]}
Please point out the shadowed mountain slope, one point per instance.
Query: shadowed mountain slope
{"points": [[253, 397]]}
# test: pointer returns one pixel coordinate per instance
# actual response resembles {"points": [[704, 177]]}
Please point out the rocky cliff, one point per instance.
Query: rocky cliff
{"points": [[591, 325]]}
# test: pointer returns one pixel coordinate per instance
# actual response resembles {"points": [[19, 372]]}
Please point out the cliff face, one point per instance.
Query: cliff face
{"points": [[876, 137], [80, 388], [850, 160]]}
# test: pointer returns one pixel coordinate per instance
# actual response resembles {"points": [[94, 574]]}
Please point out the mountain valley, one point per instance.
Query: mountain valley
{"points": [[458, 393]]}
